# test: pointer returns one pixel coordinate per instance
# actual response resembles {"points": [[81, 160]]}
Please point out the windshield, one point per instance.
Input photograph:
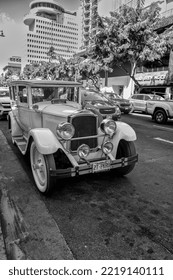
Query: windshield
{"points": [[113, 96], [40, 94], [94, 96], [4, 93]]}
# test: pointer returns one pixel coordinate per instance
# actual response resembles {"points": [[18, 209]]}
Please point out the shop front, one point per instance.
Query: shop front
{"points": [[155, 83]]}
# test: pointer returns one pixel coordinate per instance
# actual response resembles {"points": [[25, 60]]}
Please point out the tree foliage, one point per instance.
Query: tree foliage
{"points": [[129, 36], [74, 69]]}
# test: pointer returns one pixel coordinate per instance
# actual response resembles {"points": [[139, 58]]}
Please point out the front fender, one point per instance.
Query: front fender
{"points": [[46, 142], [13, 125], [125, 131]]}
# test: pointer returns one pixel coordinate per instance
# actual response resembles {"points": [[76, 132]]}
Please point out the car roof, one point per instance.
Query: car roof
{"points": [[45, 83]]}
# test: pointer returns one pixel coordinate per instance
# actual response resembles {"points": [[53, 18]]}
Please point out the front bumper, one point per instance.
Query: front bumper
{"points": [[88, 168], [125, 109], [4, 112]]}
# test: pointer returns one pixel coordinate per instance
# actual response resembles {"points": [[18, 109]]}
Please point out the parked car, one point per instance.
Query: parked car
{"points": [[139, 101], [62, 139], [5, 105], [160, 110], [124, 104], [98, 103]]}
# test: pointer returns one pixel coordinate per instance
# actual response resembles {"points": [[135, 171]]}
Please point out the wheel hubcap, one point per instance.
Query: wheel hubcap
{"points": [[159, 117]]}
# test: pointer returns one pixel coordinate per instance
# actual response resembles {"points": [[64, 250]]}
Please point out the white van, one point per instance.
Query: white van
{"points": [[5, 105]]}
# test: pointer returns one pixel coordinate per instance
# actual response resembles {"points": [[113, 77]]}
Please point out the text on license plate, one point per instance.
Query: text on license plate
{"points": [[101, 166]]}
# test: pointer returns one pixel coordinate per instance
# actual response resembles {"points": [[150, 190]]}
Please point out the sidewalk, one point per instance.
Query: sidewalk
{"points": [[2, 247], [29, 231]]}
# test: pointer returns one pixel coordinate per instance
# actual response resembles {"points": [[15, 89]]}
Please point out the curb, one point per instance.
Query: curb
{"points": [[29, 231]]}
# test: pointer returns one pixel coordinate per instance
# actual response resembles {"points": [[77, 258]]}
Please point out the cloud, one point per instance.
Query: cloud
{"points": [[14, 41]]}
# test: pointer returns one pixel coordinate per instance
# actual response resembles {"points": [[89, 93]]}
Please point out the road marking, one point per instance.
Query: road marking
{"points": [[163, 127], [163, 140]]}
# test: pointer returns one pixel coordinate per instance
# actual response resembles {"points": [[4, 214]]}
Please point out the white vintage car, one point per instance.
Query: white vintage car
{"points": [[48, 122]]}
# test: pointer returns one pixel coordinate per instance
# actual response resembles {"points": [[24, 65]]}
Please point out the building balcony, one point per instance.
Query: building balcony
{"points": [[86, 11], [86, 36], [87, 6], [28, 19], [86, 28], [86, 2], [86, 21], [94, 4]]}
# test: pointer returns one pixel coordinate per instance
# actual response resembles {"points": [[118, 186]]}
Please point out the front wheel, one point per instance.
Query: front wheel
{"points": [[41, 165], [160, 116], [125, 149]]}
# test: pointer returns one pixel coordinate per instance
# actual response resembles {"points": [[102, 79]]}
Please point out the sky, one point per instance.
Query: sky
{"points": [[11, 22]]}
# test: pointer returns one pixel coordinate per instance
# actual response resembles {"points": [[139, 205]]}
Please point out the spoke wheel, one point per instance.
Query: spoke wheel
{"points": [[40, 165]]}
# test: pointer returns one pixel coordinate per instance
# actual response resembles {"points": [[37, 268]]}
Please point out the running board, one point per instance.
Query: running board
{"points": [[21, 142]]}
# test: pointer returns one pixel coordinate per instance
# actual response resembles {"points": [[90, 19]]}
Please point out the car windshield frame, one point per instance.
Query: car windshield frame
{"points": [[53, 93]]}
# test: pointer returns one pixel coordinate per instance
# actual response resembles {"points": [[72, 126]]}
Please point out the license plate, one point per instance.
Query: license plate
{"points": [[101, 166]]}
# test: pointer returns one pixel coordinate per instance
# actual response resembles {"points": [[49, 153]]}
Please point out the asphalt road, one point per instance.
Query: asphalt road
{"points": [[102, 217]]}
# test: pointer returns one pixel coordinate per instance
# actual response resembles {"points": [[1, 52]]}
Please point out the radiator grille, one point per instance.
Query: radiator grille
{"points": [[107, 111], [85, 126]]}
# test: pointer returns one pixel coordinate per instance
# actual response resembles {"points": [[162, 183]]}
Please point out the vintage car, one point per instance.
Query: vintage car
{"points": [[47, 122], [5, 105]]}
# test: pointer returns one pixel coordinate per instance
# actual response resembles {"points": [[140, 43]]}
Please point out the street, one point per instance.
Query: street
{"points": [[102, 217]]}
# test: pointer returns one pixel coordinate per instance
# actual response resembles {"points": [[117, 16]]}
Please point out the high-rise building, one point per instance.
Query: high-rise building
{"points": [[89, 21], [50, 25]]}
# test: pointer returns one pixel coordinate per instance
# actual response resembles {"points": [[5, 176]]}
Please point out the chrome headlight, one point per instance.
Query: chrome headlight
{"points": [[108, 126], [83, 151], [107, 148], [65, 130]]}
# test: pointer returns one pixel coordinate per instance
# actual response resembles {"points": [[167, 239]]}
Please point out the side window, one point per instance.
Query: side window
{"points": [[37, 95], [140, 97], [23, 94], [147, 97]]}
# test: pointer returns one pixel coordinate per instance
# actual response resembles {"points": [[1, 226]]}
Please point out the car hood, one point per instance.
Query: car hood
{"points": [[121, 101], [59, 109], [100, 104], [5, 99]]}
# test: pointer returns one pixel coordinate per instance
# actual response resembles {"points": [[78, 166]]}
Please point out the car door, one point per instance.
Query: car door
{"points": [[146, 99], [23, 108], [138, 102]]}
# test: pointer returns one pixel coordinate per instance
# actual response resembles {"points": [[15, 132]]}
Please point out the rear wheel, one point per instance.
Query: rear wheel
{"points": [[41, 165], [125, 149], [160, 116]]}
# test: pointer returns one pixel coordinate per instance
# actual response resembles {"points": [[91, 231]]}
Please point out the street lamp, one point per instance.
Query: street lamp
{"points": [[2, 33]]}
